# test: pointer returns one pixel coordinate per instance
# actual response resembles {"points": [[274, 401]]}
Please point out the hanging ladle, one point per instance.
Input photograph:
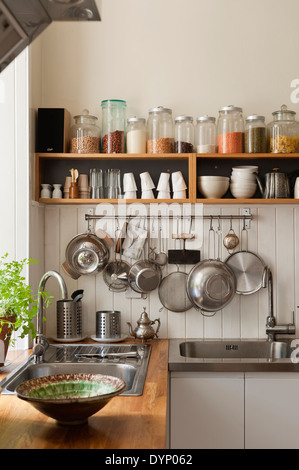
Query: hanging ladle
{"points": [[231, 240]]}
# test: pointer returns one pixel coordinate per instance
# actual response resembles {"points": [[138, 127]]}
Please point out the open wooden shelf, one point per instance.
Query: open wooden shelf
{"points": [[56, 167]]}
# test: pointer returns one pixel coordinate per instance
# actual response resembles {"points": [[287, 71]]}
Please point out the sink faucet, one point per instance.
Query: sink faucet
{"points": [[41, 342], [272, 329]]}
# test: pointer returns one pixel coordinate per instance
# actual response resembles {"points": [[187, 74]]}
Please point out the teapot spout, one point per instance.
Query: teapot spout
{"points": [[130, 329]]}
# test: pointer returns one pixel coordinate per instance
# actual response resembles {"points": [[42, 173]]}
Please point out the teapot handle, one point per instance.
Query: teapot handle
{"points": [[158, 327]]}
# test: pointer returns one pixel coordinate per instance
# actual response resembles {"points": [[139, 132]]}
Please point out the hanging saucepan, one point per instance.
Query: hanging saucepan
{"points": [[250, 270], [144, 276], [211, 284], [85, 254]]}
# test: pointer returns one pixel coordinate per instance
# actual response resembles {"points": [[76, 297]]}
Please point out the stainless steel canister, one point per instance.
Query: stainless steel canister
{"points": [[69, 319], [108, 324]]}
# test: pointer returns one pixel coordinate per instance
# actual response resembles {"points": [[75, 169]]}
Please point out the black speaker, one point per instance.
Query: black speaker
{"points": [[53, 130]]}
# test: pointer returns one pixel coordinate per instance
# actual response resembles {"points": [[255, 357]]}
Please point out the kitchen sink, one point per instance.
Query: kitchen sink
{"points": [[236, 349], [128, 362]]}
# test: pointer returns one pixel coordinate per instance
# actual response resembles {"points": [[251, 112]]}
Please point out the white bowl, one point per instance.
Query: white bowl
{"points": [[213, 189], [241, 192], [249, 169], [242, 182], [213, 178]]}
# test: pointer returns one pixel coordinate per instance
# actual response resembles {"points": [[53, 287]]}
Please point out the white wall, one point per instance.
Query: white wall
{"points": [[194, 57]]}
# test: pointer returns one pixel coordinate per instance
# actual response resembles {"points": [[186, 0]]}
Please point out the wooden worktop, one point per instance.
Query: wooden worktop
{"points": [[124, 423]]}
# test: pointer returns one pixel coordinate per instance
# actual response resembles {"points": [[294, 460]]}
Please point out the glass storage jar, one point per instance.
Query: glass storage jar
{"points": [[206, 135], [136, 135], [113, 126], [255, 137], [160, 130], [230, 129], [183, 134], [85, 134], [283, 132]]}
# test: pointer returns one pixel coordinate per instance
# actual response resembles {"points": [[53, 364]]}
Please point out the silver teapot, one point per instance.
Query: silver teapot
{"points": [[277, 185], [144, 330]]}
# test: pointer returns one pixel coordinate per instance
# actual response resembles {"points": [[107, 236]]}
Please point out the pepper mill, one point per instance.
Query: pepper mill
{"points": [[74, 193]]}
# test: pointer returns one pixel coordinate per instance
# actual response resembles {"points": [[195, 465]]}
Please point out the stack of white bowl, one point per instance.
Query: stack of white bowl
{"points": [[243, 181], [213, 187]]}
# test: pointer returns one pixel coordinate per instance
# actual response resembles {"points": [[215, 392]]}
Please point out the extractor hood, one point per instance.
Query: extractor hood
{"points": [[23, 20]]}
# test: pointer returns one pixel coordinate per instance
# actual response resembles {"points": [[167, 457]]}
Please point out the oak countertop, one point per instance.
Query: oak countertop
{"points": [[124, 423]]}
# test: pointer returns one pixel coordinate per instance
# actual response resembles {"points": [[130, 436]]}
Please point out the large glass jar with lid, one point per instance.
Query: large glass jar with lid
{"points": [[283, 132], [113, 126], [230, 129], [183, 134], [85, 134], [136, 135], [255, 140], [160, 130], [206, 135]]}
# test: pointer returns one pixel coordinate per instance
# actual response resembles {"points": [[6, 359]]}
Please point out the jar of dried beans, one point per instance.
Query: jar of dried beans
{"points": [[160, 130], [85, 134], [183, 134], [206, 135], [113, 126], [136, 135], [230, 129], [283, 132], [255, 135]]}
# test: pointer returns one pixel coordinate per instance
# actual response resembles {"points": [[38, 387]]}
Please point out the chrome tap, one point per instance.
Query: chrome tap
{"points": [[41, 342], [272, 329]]}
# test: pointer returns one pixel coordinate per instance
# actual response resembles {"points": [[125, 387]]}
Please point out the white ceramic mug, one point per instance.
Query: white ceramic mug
{"points": [[129, 182], [146, 181]]}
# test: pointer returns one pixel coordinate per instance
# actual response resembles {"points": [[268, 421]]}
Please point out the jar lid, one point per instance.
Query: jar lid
{"points": [[136, 119], [85, 114], [184, 118], [284, 112], [255, 117], [160, 109], [205, 118], [231, 108]]}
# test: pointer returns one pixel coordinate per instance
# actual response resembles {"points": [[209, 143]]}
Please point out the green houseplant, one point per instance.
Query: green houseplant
{"points": [[18, 306]]}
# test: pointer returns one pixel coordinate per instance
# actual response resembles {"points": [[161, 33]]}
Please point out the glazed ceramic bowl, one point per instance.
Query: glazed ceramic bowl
{"points": [[243, 192], [213, 187], [70, 398]]}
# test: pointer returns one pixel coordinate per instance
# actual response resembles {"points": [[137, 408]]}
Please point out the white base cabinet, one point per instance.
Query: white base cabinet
{"points": [[206, 410], [234, 410], [272, 411]]}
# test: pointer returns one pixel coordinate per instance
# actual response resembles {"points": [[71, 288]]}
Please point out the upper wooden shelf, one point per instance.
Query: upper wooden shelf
{"points": [[190, 161]]}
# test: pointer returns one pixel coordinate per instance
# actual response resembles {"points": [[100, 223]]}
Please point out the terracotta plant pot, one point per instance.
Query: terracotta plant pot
{"points": [[5, 335]]}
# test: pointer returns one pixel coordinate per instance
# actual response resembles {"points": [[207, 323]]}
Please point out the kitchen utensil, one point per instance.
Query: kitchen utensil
{"points": [[108, 324], [231, 240], [248, 268], [183, 256], [213, 187], [160, 258], [144, 276], [69, 319], [70, 398], [173, 292], [85, 254], [211, 284], [276, 185], [144, 330], [77, 295], [116, 272]]}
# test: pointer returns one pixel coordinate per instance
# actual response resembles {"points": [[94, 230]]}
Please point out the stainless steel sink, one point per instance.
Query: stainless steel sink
{"points": [[236, 349], [127, 361]]}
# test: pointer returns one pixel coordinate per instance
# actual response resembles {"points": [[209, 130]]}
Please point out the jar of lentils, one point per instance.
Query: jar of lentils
{"points": [[206, 135], [230, 129], [183, 134], [85, 134], [160, 131], [255, 135], [113, 126]]}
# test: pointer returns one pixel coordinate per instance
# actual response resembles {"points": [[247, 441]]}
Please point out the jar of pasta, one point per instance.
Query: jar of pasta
{"points": [[283, 132]]}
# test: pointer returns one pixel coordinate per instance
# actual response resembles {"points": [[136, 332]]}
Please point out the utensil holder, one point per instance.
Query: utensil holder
{"points": [[108, 324], [69, 319]]}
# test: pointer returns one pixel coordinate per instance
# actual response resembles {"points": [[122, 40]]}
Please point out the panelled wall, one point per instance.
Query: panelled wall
{"points": [[273, 235]]}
